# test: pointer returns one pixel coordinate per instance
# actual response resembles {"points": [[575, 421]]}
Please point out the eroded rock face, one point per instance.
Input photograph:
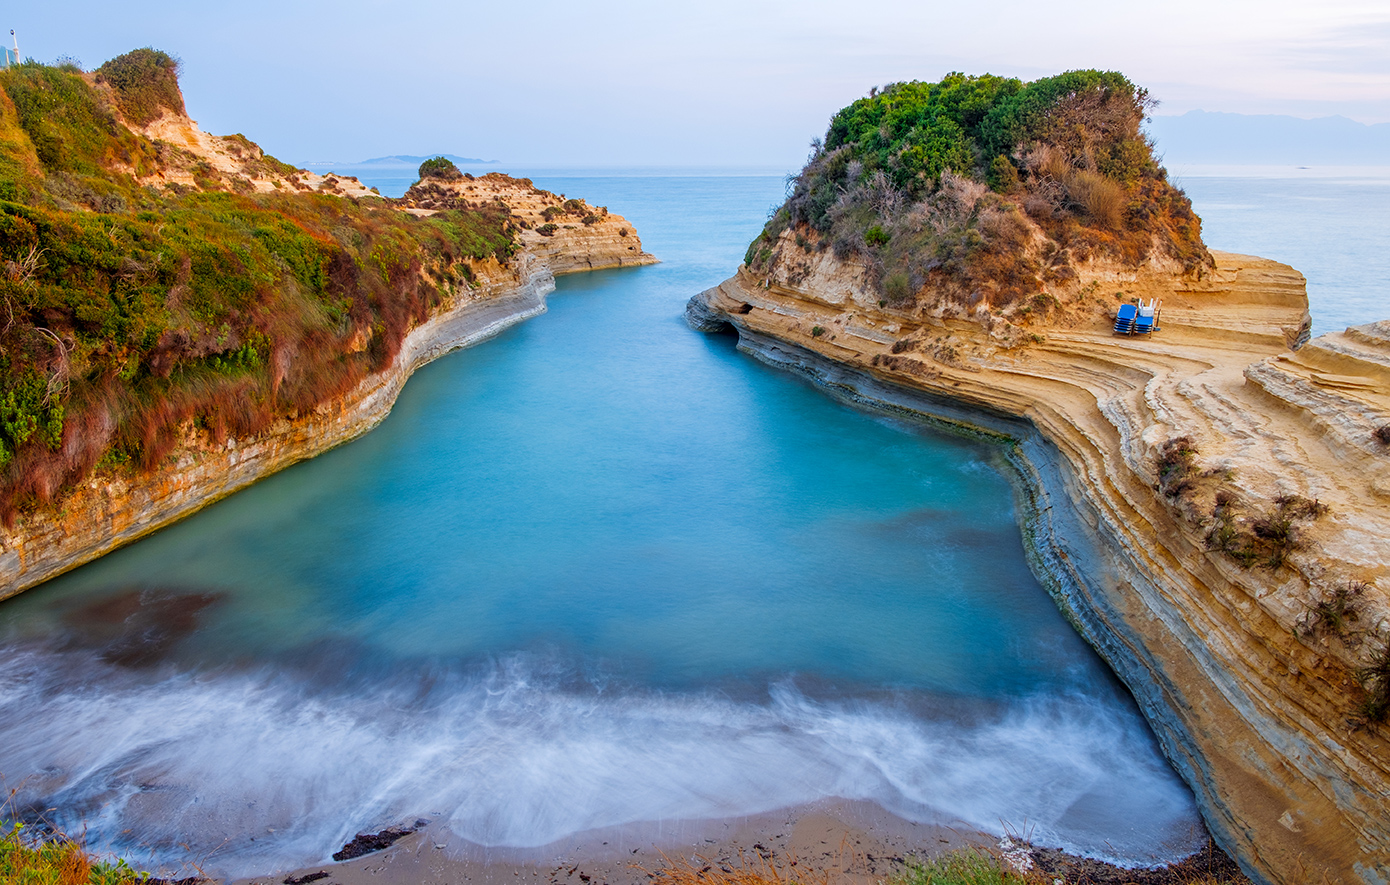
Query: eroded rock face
{"points": [[1250, 692], [567, 234], [234, 161]]}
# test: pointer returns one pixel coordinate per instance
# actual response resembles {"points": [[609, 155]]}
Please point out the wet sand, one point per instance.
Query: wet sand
{"points": [[856, 843]]}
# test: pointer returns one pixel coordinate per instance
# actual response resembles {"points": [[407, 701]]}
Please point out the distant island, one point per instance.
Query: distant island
{"points": [[1269, 140], [406, 160]]}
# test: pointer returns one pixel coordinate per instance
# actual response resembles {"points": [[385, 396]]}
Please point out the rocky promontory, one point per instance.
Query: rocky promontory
{"points": [[1257, 693], [1207, 503]]}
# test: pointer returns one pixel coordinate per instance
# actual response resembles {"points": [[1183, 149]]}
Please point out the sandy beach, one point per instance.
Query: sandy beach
{"points": [[857, 843]]}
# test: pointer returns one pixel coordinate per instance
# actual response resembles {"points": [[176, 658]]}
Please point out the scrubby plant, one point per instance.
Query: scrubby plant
{"points": [[952, 185], [441, 168], [967, 866], [548, 229], [1177, 466], [1333, 611], [1374, 707], [1382, 434], [58, 861], [146, 83], [1267, 538], [817, 331]]}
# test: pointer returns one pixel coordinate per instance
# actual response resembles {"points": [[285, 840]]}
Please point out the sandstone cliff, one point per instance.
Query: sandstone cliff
{"points": [[1149, 462], [569, 235]]}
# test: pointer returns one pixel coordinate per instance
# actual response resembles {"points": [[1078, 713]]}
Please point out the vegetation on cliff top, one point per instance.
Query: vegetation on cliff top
{"points": [[985, 191], [440, 167], [135, 313]]}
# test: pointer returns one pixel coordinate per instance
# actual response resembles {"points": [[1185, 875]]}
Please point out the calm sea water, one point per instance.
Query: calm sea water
{"points": [[599, 570], [1332, 224]]}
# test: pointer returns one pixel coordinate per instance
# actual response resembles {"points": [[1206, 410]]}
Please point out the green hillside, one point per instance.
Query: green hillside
{"points": [[135, 312]]}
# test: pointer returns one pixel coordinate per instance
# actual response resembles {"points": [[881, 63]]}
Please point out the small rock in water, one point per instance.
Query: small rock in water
{"points": [[366, 843]]}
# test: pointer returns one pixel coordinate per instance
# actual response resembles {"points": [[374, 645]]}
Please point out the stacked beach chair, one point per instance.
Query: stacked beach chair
{"points": [[1138, 318]]}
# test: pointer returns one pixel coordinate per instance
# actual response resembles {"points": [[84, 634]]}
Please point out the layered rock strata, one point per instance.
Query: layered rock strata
{"points": [[1251, 695], [568, 234]]}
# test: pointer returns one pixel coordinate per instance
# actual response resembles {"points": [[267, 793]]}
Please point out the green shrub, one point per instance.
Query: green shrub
{"points": [[1003, 175], [68, 125], [895, 181], [146, 83], [440, 167], [817, 331], [969, 866], [897, 287]]}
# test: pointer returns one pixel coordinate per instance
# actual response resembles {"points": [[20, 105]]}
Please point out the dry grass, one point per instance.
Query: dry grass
{"points": [[1102, 199], [57, 861]]}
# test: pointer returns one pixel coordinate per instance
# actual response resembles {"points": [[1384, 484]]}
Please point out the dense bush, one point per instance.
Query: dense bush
{"points": [[439, 167], [132, 315], [146, 83], [946, 183]]}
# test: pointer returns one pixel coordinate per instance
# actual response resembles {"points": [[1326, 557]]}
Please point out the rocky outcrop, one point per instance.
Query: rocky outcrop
{"points": [[567, 234], [194, 159], [1250, 692]]}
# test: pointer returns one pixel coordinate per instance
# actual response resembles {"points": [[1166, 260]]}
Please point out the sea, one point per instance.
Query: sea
{"points": [[603, 570]]}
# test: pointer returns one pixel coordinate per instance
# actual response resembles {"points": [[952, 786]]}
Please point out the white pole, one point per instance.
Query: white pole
{"points": [[16, 45]]}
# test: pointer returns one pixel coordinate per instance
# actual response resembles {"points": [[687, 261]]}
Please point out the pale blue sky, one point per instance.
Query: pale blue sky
{"points": [[713, 83]]}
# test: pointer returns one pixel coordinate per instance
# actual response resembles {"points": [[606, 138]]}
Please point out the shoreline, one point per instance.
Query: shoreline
{"points": [[853, 842]]}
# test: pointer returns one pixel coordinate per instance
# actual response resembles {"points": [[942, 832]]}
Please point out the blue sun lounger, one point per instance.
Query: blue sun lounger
{"points": [[1124, 321], [1147, 321]]}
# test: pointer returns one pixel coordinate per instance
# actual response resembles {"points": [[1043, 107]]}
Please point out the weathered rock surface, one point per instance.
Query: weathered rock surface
{"points": [[1249, 703], [569, 235], [234, 161]]}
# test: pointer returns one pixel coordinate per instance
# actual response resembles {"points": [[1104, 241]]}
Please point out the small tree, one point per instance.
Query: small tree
{"points": [[439, 167]]}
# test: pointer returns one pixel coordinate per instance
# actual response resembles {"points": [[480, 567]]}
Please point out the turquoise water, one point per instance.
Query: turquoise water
{"points": [[599, 570]]}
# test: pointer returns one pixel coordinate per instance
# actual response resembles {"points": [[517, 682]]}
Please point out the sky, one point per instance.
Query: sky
{"points": [[713, 83]]}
